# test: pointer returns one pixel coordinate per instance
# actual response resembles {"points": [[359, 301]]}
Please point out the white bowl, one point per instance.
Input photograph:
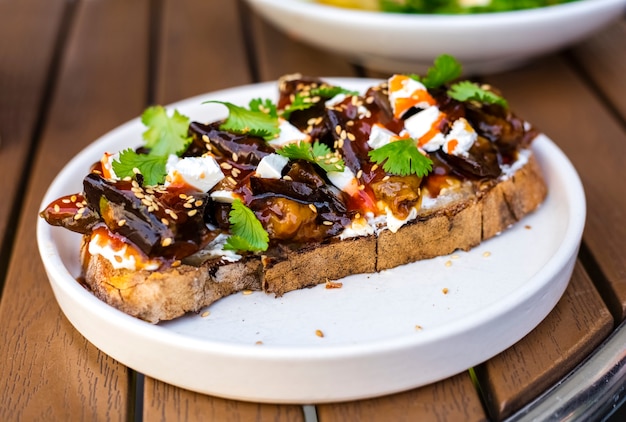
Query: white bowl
{"points": [[409, 42]]}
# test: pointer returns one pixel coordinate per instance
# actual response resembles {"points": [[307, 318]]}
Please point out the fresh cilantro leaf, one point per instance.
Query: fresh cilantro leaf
{"points": [[317, 153], [266, 106], [151, 167], [247, 232], [302, 101], [401, 158], [445, 69], [165, 135], [467, 91], [243, 121], [327, 91]]}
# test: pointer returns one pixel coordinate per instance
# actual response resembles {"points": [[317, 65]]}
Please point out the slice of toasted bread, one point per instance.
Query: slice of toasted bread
{"points": [[459, 224]]}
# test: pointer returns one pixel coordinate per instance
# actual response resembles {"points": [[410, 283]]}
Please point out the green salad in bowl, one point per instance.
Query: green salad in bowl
{"points": [[443, 6]]}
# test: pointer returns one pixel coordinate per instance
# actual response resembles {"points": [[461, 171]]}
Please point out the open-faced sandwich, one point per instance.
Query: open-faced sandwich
{"points": [[321, 184]]}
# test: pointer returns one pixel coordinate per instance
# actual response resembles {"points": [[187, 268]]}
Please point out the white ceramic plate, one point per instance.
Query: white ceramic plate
{"points": [[382, 333]]}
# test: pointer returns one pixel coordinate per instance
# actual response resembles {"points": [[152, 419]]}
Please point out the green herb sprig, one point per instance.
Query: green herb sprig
{"points": [[316, 153], [165, 135], [402, 158], [248, 233]]}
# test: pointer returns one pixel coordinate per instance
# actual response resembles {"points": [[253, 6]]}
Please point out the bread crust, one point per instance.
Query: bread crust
{"points": [[162, 295]]}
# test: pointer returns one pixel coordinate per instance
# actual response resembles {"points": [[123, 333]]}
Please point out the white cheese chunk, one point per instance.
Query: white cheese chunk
{"points": [[380, 136], [420, 127], [271, 166], [201, 173], [223, 196], [344, 180], [460, 138], [289, 134]]}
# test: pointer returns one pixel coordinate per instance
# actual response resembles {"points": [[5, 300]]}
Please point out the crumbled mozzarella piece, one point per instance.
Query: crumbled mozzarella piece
{"points": [[380, 136], [289, 134], [223, 196], [460, 138], [394, 223], [358, 227], [122, 258], [271, 166], [406, 93], [421, 127], [344, 180], [201, 173]]}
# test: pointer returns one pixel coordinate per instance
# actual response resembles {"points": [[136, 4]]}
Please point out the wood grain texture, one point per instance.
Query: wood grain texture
{"points": [[454, 399], [193, 57], [577, 325], [568, 110], [603, 59], [163, 402], [23, 79], [278, 54], [51, 372]]}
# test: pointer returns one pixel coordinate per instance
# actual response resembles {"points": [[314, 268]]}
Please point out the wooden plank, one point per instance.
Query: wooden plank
{"points": [[49, 371], [454, 399], [569, 112], [576, 326], [168, 403], [603, 58], [201, 49], [23, 78], [278, 54]]}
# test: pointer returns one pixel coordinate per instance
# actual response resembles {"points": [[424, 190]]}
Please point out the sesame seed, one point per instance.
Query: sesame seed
{"points": [[57, 208], [205, 138], [287, 178], [418, 328], [351, 136], [121, 223], [205, 314], [198, 203], [386, 178], [77, 216], [65, 201], [139, 195], [444, 290], [338, 129], [166, 242], [247, 292], [176, 263], [182, 196], [374, 167], [319, 333], [327, 223], [359, 174], [73, 198], [448, 263], [165, 221], [146, 202], [312, 207], [258, 342], [192, 213], [235, 172], [361, 187], [486, 254], [226, 166], [231, 180], [235, 157], [187, 205], [136, 170]]}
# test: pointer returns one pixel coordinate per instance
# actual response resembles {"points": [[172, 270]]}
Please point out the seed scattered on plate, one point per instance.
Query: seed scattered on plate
{"points": [[445, 290], [455, 256], [258, 342], [448, 263], [247, 292], [527, 227], [418, 328], [205, 314], [486, 254], [319, 333], [333, 284]]}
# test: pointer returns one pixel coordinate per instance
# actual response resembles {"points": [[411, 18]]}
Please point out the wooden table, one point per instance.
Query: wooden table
{"points": [[72, 70]]}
